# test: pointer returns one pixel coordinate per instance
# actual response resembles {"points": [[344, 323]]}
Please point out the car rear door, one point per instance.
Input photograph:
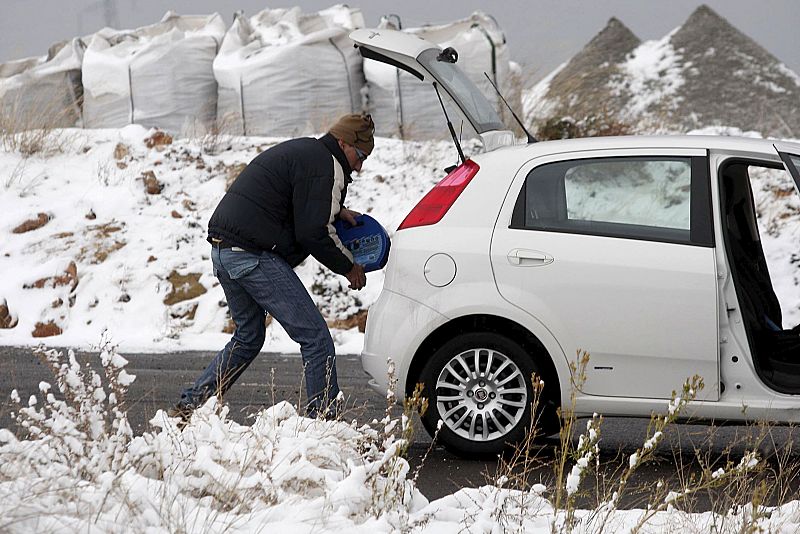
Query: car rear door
{"points": [[790, 154], [613, 252]]}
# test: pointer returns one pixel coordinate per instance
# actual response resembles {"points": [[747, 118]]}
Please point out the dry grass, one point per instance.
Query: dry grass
{"points": [[753, 472], [34, 129]]}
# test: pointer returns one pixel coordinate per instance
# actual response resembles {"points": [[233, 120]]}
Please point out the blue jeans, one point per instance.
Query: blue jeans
{"points": [[254, 285]]}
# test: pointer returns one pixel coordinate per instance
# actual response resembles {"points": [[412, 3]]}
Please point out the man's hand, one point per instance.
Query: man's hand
{"points": [[349, 216], [357, 277]]}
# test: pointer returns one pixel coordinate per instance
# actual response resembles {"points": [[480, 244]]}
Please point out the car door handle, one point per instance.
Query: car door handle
{"points": [[528, 258]]}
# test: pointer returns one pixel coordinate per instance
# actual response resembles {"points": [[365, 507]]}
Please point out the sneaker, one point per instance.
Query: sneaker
{"points": [[182, 412]]}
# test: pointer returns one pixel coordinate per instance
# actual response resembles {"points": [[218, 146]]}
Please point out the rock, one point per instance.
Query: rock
{"points": [[230, 326], [91, 215], [184, 287], [176, 215], [6, 319], [33, 224], [151, 259], [188, 205], [47, 329], [121, 151], [158, 140], [124, 298], [151, 184], [357, 320], [68, 278], [233, 172], [100, 242], [184, 312]]}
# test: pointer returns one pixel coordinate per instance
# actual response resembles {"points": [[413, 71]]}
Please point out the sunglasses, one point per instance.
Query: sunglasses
{"points": [[360, 153]]}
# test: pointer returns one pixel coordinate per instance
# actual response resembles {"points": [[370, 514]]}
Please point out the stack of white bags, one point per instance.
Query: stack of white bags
{"points": [[279, 73], [43, 91], [156, 76], [286, 73]]}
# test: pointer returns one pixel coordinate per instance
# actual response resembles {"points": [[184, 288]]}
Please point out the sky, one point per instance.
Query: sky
{"points": [[542, 33]]}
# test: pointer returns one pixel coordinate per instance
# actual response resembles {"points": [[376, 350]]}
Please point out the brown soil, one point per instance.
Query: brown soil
{"points": [[32, 224]]}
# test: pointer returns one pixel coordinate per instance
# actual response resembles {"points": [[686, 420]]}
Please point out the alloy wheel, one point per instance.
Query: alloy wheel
{"points": [[481, 394]]}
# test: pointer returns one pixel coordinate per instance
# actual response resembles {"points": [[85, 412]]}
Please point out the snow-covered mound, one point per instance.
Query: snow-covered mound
{"points": [[110, 234], [704, 73], [75, 466]]}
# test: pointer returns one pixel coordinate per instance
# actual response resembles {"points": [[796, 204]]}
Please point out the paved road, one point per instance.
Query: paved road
{"points": [[274, 377]]}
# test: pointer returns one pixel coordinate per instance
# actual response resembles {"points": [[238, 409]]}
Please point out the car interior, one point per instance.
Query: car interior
{"points": [[775, 350]]}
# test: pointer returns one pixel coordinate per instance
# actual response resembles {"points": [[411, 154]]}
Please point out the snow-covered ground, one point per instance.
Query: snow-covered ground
{"points": [[80, 469], [125, 243], [113, 258]]}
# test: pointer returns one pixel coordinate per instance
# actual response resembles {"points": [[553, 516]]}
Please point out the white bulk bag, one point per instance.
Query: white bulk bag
{"points": [[157, 76], [43, 92], [402, 106], [285, 73]]}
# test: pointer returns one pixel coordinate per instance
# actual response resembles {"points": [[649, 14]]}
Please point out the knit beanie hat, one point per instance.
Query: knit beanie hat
{"points": [[356, 130]]}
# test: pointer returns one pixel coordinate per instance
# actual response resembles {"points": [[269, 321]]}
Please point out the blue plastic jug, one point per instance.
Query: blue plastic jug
{"points": [[367, 240]]}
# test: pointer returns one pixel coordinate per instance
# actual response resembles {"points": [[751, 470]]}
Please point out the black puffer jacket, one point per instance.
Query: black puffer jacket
{"points": [[286, 200]]}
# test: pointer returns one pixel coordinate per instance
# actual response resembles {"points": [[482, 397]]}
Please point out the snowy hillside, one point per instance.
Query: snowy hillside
{"points": [[109, 234]]}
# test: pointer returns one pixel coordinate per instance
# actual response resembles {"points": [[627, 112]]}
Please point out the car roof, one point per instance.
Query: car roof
{"points": [[710, 142]]}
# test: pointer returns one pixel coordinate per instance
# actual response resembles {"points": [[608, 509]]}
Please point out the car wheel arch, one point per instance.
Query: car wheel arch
{"points": [[487, 323]]}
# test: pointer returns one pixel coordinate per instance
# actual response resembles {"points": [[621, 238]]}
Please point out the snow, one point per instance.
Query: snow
{"points": [[534, 104], [125, 254], [283, 472], [652, 73], [782, 68]]}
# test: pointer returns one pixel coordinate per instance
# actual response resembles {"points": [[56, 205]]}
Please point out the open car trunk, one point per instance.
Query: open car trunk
{"points": [[430, 64]]}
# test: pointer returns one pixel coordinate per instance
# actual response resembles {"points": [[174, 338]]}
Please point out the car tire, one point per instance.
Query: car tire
{"points": [[478, 386]]}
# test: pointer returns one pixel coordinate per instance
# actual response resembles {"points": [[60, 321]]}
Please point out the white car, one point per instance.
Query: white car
{"points": [[642, 251]]}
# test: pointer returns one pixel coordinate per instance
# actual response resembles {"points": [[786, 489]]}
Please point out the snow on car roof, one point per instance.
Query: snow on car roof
{"points": [[763, 147], [668, 141]]}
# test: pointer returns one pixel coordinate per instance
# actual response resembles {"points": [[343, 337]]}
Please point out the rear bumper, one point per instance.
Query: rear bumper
{"points": [[396, 326]]}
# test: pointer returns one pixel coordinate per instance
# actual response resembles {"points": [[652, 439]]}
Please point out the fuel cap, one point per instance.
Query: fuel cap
{"points": [[440, 270]]}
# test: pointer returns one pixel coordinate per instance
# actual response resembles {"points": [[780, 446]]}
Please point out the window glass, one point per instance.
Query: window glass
{"points": [[777, 211], [647, 198], [464, 91], [796, 163]]}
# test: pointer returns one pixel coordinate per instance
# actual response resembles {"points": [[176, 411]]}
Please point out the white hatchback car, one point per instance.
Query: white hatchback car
{"points": [[643, 251]]}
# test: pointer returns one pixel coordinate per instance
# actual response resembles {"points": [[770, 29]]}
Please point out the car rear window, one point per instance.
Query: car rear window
{"points": [[635, 197]]}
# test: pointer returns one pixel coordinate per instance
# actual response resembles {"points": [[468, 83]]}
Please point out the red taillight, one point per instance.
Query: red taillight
{"points": [[435, 204]]}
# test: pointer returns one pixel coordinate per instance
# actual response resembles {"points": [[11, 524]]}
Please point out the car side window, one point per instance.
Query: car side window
{"points": [[632, 197]]}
